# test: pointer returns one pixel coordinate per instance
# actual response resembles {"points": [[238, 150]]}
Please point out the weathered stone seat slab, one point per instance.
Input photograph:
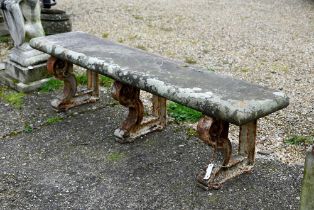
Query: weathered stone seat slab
{"points": [[216, 95]]}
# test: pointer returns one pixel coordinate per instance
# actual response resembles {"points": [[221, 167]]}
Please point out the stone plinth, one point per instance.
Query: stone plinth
{"points": [[26, 69], [55, 21]]}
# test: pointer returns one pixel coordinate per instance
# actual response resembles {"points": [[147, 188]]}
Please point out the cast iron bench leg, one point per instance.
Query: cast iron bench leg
{"points": [[247, 141], [70, 97], [215, 134], [135, 124]]}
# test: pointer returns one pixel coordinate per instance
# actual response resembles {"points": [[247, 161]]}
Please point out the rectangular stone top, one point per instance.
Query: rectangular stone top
{"points": [[215, 95]]}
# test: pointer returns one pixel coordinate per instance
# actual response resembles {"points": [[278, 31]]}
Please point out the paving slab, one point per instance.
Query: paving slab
{"points": [[76, 164]]}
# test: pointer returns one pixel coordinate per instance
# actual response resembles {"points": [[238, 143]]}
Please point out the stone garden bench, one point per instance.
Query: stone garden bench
{"points": [[222, 99]]}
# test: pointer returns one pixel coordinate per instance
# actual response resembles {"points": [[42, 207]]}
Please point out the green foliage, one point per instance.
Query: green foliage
{"points": [[182, 113], [51, 85], [27, 128], [132, 37], [81, 79], [5, 39], [115, 156], [167, 29], [190, 60], [210, 69], [245, 69], [120, 40], [105, 81], [53, 120], [141, 47], [14, 99], [206, 51], [138, 17], [191, 132], [279, 67], [105, 35], [299, 140]]}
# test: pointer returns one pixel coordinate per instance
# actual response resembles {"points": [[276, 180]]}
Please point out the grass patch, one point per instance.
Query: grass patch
{"points": [[190, 60], [53, 120], [209, 68], [14, 99], [120, 40], [299, 140], [105, 81], [27, 128], [51, 85], [279, 67], [205, 51], [141, 47], [245, 69], [5, 39], [81, 79], [167, 29], [105, 35], [138, 17], [115, 156], [191, 133], [133, 37], [182, 113]]}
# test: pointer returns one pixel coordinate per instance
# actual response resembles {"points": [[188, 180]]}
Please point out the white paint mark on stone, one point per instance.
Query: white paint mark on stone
{"points": [[281, 94], [197, 89]]}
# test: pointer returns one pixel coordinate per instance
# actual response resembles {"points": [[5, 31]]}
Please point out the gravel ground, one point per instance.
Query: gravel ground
{"points": [[261, 41], [75, 163]]}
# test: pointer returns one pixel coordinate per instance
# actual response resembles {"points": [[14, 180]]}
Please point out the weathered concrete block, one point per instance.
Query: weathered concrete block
{"points": [[27, 56], [19, 86], [26, 74]]}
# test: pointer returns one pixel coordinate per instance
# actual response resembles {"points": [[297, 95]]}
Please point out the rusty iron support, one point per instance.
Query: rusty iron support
{"points": [[215, 134], [135, 124], [247, 140], [307, 201], [93, 82], [70, 97]]}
